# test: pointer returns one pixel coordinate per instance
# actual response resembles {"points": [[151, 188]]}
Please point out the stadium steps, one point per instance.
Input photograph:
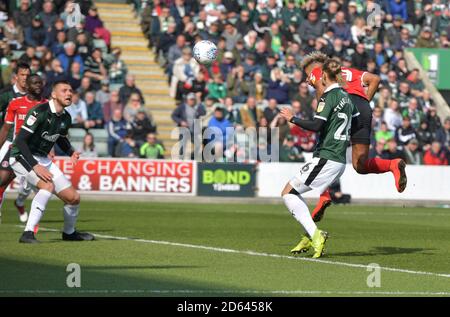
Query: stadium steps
{"points": [[126, 33]]}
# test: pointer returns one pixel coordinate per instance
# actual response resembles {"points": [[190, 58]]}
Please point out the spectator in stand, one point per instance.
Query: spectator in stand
{"points": [[360, 57], [405, 133], [404, 41], [95, 113], [75, 76], [378, 149], [426, 39], [271, 111], [227, 64], [85, 86], [55, 73], [131, 109], [243, 23], [412, 154], [434, 122], [117, 128], [312, 27], [84, 48], [236, 85], [283, 127], [95, 69], [185, 114], [443, 135], [304, 140], [88, 150], [278, 88], [128, 89], [414, 113], [36, 35], [103, 95], [185, 70], [436, 155], [217, 89], [383, 133], [250, 114], [275, 40], [257, 88], [127, 147], [94, 25], [48, 14], [14, 34], [404, 95], [151, 149], [25, 14], [341, 29], [78, 111], [118, 69], [112, 105], [424, 136], [392, 151], [398, 8], [69, 57], [231, 35], [57, 47], [218, 123], [176, 51], [141, 126]]}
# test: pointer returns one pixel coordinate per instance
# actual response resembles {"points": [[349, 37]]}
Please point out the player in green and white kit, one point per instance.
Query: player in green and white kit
{"points": [[333, 120], [45, 125]]}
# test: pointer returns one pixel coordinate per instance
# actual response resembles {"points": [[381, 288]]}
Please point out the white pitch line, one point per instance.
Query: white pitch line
{"points": [[255, 253], [240, 292]]}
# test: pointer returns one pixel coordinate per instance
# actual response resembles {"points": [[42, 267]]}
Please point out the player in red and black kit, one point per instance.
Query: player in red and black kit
{"points": [[355, 82], [15, 116]]}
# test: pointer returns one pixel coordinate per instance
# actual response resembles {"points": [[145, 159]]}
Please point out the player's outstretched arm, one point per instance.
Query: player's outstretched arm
{"points": [[314, 125], [371, 81]]}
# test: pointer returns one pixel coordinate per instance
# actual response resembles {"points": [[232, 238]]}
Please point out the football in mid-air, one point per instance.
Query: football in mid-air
{"points": [[205, 52]]}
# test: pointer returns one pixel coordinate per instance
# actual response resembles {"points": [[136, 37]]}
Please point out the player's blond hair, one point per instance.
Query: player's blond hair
{"points": [[313, 57]]}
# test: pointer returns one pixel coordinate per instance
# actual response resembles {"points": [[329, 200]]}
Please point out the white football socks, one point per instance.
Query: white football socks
{"points": [[38, 206], [70, 218], [297, 206]]}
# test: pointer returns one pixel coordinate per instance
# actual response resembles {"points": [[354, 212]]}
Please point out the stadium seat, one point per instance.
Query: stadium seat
{"points": [[76, 134], [102, 149], [99, 135], [100, 43], [77, 145]]}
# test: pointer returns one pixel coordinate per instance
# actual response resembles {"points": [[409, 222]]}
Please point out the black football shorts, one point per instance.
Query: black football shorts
{"points": [[362, 124]]}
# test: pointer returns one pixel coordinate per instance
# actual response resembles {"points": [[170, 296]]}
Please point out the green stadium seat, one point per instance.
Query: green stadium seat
{"points": [[99, 135], [76, 134], [101, 148], [100, 43]]}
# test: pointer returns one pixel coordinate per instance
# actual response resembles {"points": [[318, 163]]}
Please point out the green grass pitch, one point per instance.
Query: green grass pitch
{"points": [[175, 249]]}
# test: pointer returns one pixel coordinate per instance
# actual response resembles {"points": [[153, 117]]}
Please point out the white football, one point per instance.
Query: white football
{"points": [[205, 52]]}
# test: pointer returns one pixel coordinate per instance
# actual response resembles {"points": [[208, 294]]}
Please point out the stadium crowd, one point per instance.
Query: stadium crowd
{"points": [[42, 35], [261, 45]]}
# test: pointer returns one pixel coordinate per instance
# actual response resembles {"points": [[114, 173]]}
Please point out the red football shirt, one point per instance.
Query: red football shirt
{"points": [[17, 111], [352, 76]]}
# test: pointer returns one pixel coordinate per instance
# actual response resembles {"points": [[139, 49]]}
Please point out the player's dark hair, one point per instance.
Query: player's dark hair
{"points": [[332, 68], [20, 66], [60, 82]]}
